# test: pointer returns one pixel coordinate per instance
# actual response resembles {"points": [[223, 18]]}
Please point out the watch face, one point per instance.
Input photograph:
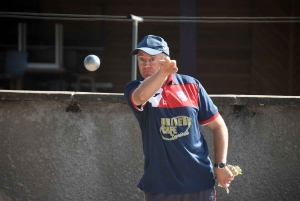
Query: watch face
{"points": [[221, 165]]}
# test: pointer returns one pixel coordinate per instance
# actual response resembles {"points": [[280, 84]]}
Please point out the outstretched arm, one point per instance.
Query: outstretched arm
{"points": [[153, 83]]}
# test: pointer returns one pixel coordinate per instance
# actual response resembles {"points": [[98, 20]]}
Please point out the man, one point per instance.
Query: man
{"points": [[169, 108]]}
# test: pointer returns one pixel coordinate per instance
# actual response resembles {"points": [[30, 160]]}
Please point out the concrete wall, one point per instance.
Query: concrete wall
{"points": [[84, 146]]}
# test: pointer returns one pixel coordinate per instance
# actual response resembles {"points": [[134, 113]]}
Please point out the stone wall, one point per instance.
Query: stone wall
{"points": [[85, 146]]}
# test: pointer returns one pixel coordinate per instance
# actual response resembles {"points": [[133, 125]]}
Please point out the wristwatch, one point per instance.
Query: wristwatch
{"points": [[220, 165]]}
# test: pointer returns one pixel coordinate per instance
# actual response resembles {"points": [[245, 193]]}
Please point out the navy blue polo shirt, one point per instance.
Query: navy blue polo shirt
{"points": [[175, 151]]}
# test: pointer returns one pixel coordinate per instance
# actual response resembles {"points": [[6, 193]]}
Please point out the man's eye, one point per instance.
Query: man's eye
{"points": [[152, 59]]}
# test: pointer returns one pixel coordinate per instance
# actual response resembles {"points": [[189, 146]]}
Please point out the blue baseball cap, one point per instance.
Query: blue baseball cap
{"points": [[153, 45]]}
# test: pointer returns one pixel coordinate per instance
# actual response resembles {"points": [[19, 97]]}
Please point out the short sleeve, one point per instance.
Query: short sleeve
{"points": [[208, 111], [129, 89]]}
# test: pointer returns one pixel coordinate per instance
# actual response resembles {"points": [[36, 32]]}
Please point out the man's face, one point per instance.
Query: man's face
{"points": [[148, 64]]}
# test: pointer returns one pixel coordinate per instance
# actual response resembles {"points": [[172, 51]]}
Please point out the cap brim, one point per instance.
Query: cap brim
{"points": [[147, 50]]}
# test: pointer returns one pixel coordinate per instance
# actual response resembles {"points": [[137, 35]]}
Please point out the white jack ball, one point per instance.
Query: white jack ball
{"points": [[91, 62]]}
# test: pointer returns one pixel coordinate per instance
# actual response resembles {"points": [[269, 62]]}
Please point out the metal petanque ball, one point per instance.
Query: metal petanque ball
{"points": [[91, 62]]}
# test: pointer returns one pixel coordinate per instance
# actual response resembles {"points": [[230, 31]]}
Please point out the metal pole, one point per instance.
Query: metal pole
{"points": [[20, 37], [135, 20], [61, 46], [24, 38], [57, 44], [134, 45]]}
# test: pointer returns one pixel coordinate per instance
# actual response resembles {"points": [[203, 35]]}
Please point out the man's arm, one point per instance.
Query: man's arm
{"points": [[148, 87], [153, 83], [220, 131]]}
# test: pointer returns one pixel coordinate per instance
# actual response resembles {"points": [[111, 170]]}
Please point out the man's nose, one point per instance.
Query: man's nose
{"points": [[146, 63]]}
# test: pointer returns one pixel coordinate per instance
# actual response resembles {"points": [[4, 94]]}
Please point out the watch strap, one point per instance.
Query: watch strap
{"points": [[220, 165]]}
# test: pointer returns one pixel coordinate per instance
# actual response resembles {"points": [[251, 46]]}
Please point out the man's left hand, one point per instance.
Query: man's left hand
{"points": [[224, 176]]}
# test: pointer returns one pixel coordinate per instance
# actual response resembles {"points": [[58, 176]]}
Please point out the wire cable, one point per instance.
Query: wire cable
{"points": [[219, 19], [225, 21], [62, 15], [158, 19], [226, 18], [65, 18]]}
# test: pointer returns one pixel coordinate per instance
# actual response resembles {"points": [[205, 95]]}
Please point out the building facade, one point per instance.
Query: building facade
{"points": [[228, 56]]}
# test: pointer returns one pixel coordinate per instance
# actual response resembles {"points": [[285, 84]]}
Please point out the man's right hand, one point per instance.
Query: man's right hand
{"points": [[167, 66]]}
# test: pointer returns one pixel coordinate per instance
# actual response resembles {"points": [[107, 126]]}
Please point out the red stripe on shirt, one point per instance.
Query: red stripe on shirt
{"points": [[171, 98], [210, 119], [135, 106]]}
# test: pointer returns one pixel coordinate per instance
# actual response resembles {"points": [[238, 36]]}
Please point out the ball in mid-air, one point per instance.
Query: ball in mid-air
{"points": [[91, 62]]}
